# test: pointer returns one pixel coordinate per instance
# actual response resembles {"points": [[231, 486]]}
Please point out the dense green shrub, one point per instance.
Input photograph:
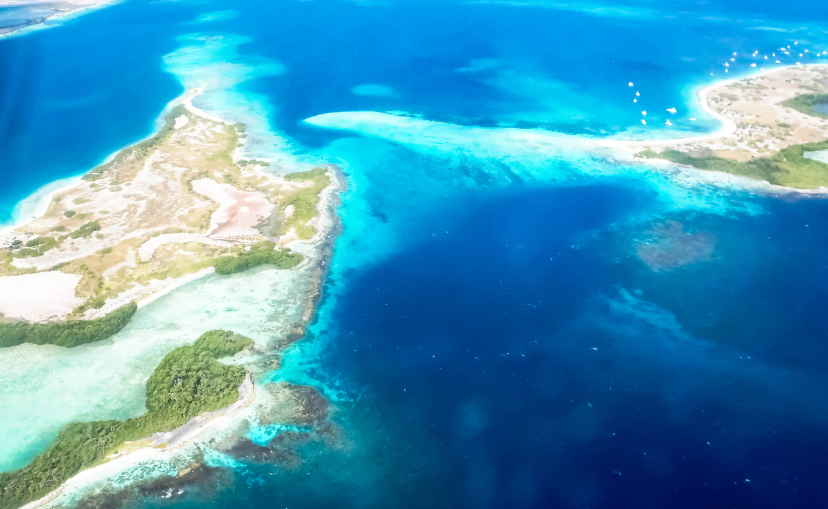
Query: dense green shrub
{"points": [[42, 244], [68, 334], [789, 167], [188, 381], [262, 253], [86, 230], [221, 343]]}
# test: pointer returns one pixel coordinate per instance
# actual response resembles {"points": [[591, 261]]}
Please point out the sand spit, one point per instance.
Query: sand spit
{"points": [[753, 124]]}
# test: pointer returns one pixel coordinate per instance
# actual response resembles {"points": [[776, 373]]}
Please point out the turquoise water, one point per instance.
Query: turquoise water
{"points": [[492, 332]]}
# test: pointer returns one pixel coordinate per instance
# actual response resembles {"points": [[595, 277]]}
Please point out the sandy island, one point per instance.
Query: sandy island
{"points": [[152, 217]]}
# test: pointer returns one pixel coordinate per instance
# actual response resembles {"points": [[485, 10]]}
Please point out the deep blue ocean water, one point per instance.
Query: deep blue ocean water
{"points": [[492, 336]]}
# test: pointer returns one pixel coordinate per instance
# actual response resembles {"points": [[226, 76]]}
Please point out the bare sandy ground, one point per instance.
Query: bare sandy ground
{"points": [[38, 297]]}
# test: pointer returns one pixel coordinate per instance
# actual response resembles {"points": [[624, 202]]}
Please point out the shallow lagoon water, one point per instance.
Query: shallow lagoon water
{"points": [[43, 387], [489, 331]]}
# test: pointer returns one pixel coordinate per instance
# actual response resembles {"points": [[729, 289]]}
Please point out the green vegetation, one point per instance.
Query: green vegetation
{"points": [[141, 149], [189, 381], [805, 104], [789, 167], [58, 228], [68, 334], [69, 213], [42, 244], [86, 230], [34, 247], [305, 201], [245, 162], [26, 252], [262, 253], [222, 343]]}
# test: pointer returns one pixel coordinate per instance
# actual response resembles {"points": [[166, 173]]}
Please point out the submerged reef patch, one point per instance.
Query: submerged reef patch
{"points": [[297, 416], [670, 247]]}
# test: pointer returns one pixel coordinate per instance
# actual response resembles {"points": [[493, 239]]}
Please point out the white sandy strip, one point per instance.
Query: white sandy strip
{"points": [[37, 203], [144, 294], [187, 101], [163, 445], [147, 249], [38, 297], [178, 283]]}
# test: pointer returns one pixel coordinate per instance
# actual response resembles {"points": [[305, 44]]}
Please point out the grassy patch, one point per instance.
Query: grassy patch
{"points": [[188, 381], [68, 334], [305, 201], [262, 253], [36, 247], [805, 104], [85, 230], [789, 167], [245, 162]]}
